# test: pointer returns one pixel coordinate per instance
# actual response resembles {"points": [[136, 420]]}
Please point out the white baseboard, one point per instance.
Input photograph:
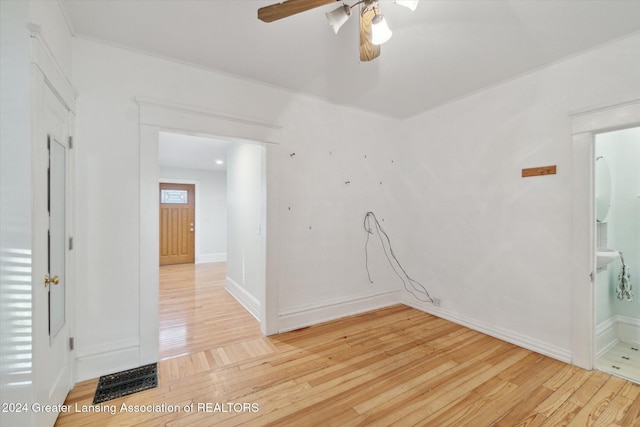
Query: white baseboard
{"points": [[503, 334], [202, 258], [628, 329], [615, 329], [248, 301], [108, 358], [311, 314], [606, 336]]}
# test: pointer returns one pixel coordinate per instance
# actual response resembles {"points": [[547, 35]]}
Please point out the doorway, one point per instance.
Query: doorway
{"points": [[177, 223], [229, 218], [617, 235], [155, 117]]}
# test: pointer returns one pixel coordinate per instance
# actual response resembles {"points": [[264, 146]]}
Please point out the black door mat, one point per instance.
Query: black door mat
{"points": [[126, 382]]}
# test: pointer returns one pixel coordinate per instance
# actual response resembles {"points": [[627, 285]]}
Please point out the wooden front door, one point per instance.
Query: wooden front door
{"points": [[177, 223]]}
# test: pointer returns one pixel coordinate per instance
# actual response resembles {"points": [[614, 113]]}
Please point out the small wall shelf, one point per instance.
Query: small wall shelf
{"points": [[539, 171]]}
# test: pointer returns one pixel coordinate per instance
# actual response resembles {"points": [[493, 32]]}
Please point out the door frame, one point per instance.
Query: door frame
{"points": [[154, 117], [585, 125], [43, 391], [45, 74]]}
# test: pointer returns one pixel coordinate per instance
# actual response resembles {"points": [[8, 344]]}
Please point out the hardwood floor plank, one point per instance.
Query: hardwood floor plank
{"points": [[467, 408], [463, 390], [590, 387], [391, 366], [563, 393], [614, 413], [562, 415], [595, 406], [632, 417], [522, 406]]}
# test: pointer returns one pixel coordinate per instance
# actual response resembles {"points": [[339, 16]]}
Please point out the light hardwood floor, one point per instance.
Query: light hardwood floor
{"points": [[392, 366]]}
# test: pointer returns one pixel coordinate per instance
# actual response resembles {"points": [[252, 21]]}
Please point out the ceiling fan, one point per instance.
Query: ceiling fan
{"points": [[373, 27]]}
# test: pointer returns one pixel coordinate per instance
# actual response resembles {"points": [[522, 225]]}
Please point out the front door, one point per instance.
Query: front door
{"points": [[177, 223]]}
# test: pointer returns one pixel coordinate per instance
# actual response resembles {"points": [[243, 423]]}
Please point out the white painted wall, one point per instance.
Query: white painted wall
{"points": [[493, 246], [318, 273], [211, 210], [246, 242]]}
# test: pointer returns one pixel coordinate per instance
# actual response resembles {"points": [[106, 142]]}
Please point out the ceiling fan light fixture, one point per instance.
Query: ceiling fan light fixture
{"points": [[338, 17], [380, 32], [411, 4]]}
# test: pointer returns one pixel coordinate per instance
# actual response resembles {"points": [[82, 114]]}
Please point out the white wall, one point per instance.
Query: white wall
{"points": [[246, 244], [493, 246], [318, 272], [15, 211], [211, 210]]}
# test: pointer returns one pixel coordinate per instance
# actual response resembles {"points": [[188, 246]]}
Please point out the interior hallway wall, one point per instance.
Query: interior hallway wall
{"points": [[246, 243]]}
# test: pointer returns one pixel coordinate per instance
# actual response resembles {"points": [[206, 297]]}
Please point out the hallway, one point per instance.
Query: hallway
{"points": [[197, 313]]}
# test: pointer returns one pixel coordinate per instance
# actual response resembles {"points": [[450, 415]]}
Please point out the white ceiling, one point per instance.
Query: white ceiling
{"points": [[191, 152], [442, 51]]}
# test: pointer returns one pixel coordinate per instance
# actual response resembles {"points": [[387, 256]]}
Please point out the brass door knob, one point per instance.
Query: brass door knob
{"points": [[47, 280]]}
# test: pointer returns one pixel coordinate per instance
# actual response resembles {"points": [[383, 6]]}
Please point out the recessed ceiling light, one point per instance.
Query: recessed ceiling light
{"points": [[219, 162]]}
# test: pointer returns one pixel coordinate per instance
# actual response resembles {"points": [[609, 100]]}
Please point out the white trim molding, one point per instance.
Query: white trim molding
{"points": [[107, 358], [219, 257], [42, 57], [248, 301], [311, 314], [628, 329], [503, 334], [606, 336], [615, 329], [155, 116], [169, 116]]}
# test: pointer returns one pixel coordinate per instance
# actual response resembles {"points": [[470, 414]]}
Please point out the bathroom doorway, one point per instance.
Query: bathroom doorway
{"points": [[617, 241], [586, 125]]}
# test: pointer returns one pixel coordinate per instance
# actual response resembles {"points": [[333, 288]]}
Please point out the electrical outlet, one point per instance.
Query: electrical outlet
{"points": [[436, 302]]}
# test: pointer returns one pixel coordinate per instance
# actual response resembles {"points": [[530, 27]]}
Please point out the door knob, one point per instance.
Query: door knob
{"points": [[47, 280]]}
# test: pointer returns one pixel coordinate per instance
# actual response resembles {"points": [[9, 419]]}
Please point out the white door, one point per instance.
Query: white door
{"points": [[57, 237], [52, 352]]}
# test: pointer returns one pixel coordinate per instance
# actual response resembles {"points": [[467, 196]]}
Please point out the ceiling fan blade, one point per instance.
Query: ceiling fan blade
{"points": [[289, 7], [368, 50]]}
